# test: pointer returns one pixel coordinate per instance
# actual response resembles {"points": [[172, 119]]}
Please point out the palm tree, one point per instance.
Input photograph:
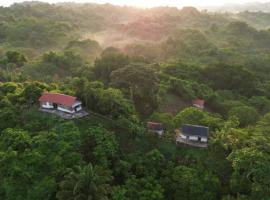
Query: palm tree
{"points": [[85, 183]]}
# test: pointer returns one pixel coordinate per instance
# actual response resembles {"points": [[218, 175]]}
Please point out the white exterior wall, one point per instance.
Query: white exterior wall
{"points": [[178, 139], [198, 106], [78, 104], [160, 133], [64, 109], [46, 105], [204, 139], [193, 138], [183, 136]]}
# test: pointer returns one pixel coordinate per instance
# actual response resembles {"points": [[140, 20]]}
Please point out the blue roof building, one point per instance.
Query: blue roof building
{"points": [[193, 135]]}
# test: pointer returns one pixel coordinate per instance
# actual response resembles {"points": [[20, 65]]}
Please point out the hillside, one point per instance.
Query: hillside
{"points": [[103, 23], [234, 8], [137, 73]]}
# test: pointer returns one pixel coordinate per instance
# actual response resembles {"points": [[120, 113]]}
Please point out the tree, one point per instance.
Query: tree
{"points": [[9, 117], [35, 161], [152, 164], [111, 60], [110, 102], [88, 49], [15, 58], [229, 77], [261, 103], [16, 140], [18, 165], [250, 174], [32, 91], [68, 60], [246, 115], [185, 183], [87, 182], [186, 42], [9, 87], [140, 83], [165, 118], [189, 116], [146, 188], [99, 146], [197, 116]]}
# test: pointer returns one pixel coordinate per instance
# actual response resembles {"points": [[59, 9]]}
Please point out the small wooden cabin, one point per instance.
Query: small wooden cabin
{"points": [[198, 103], [155, 127], [193, 135]]}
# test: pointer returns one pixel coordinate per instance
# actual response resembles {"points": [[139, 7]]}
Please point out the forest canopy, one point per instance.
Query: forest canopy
{"points": [[129, 66]]}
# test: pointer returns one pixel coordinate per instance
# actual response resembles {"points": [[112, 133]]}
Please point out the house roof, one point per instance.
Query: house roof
{"points": [[199, 102], [195, 130], [57, 98], [154, 126]]}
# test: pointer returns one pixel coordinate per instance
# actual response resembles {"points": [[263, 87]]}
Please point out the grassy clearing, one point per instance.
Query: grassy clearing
{"points": [[172, 104]]}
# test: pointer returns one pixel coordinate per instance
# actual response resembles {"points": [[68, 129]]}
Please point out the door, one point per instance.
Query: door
{"points": [[55, 106]]}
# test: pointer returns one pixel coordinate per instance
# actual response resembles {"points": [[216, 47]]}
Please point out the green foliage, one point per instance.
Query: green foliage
{"points": [[67, 60], [250, 172], [140, 82], [246, 115], [99, 146], [184, 181], [34, 162], [108, 154], [190, 90], [110, 102], [186, 42], [261, 103], [111, 60], [87, 49], [196, 116], [87, 182], [13, 59], [151, 164], [139, 188], [165, 118], [235, 78], [33, 90], [36, 33]]}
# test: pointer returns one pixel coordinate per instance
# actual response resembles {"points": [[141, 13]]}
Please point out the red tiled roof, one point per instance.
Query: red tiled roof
{"points": [[199, 102], [62, 99], [154, 126]]}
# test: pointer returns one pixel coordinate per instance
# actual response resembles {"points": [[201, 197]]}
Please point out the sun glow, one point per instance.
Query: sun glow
{"points": [[146, 3]]}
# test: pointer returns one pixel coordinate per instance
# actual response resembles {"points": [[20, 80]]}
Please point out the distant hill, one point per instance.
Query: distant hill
{"points": [[36, 27], [235, 8]]}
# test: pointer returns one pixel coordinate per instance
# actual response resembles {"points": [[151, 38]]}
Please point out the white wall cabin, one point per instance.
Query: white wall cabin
{"points": [[75, 107], [193, 138]]}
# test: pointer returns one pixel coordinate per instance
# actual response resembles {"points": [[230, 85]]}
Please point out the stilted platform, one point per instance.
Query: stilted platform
{"points": [[65, 115], [191, 143]]}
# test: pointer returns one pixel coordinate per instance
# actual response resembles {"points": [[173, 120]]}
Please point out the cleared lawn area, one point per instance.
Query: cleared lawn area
{"points": [[173, 104]]}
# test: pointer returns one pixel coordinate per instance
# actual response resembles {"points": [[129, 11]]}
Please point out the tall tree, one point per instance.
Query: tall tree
{"points": [[87, 182], [141, 83]]}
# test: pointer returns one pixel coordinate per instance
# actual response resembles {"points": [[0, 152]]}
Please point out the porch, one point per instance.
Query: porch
{"points": [[65, 115], [191, 143]]}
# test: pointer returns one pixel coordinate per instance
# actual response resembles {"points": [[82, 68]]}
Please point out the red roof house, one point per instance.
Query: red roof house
{"points": [[60, 102], [155, 127], [199, 103], [62, 99]]}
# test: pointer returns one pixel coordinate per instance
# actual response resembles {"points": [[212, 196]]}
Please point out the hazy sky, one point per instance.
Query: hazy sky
{"points": [[147, 3]]}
